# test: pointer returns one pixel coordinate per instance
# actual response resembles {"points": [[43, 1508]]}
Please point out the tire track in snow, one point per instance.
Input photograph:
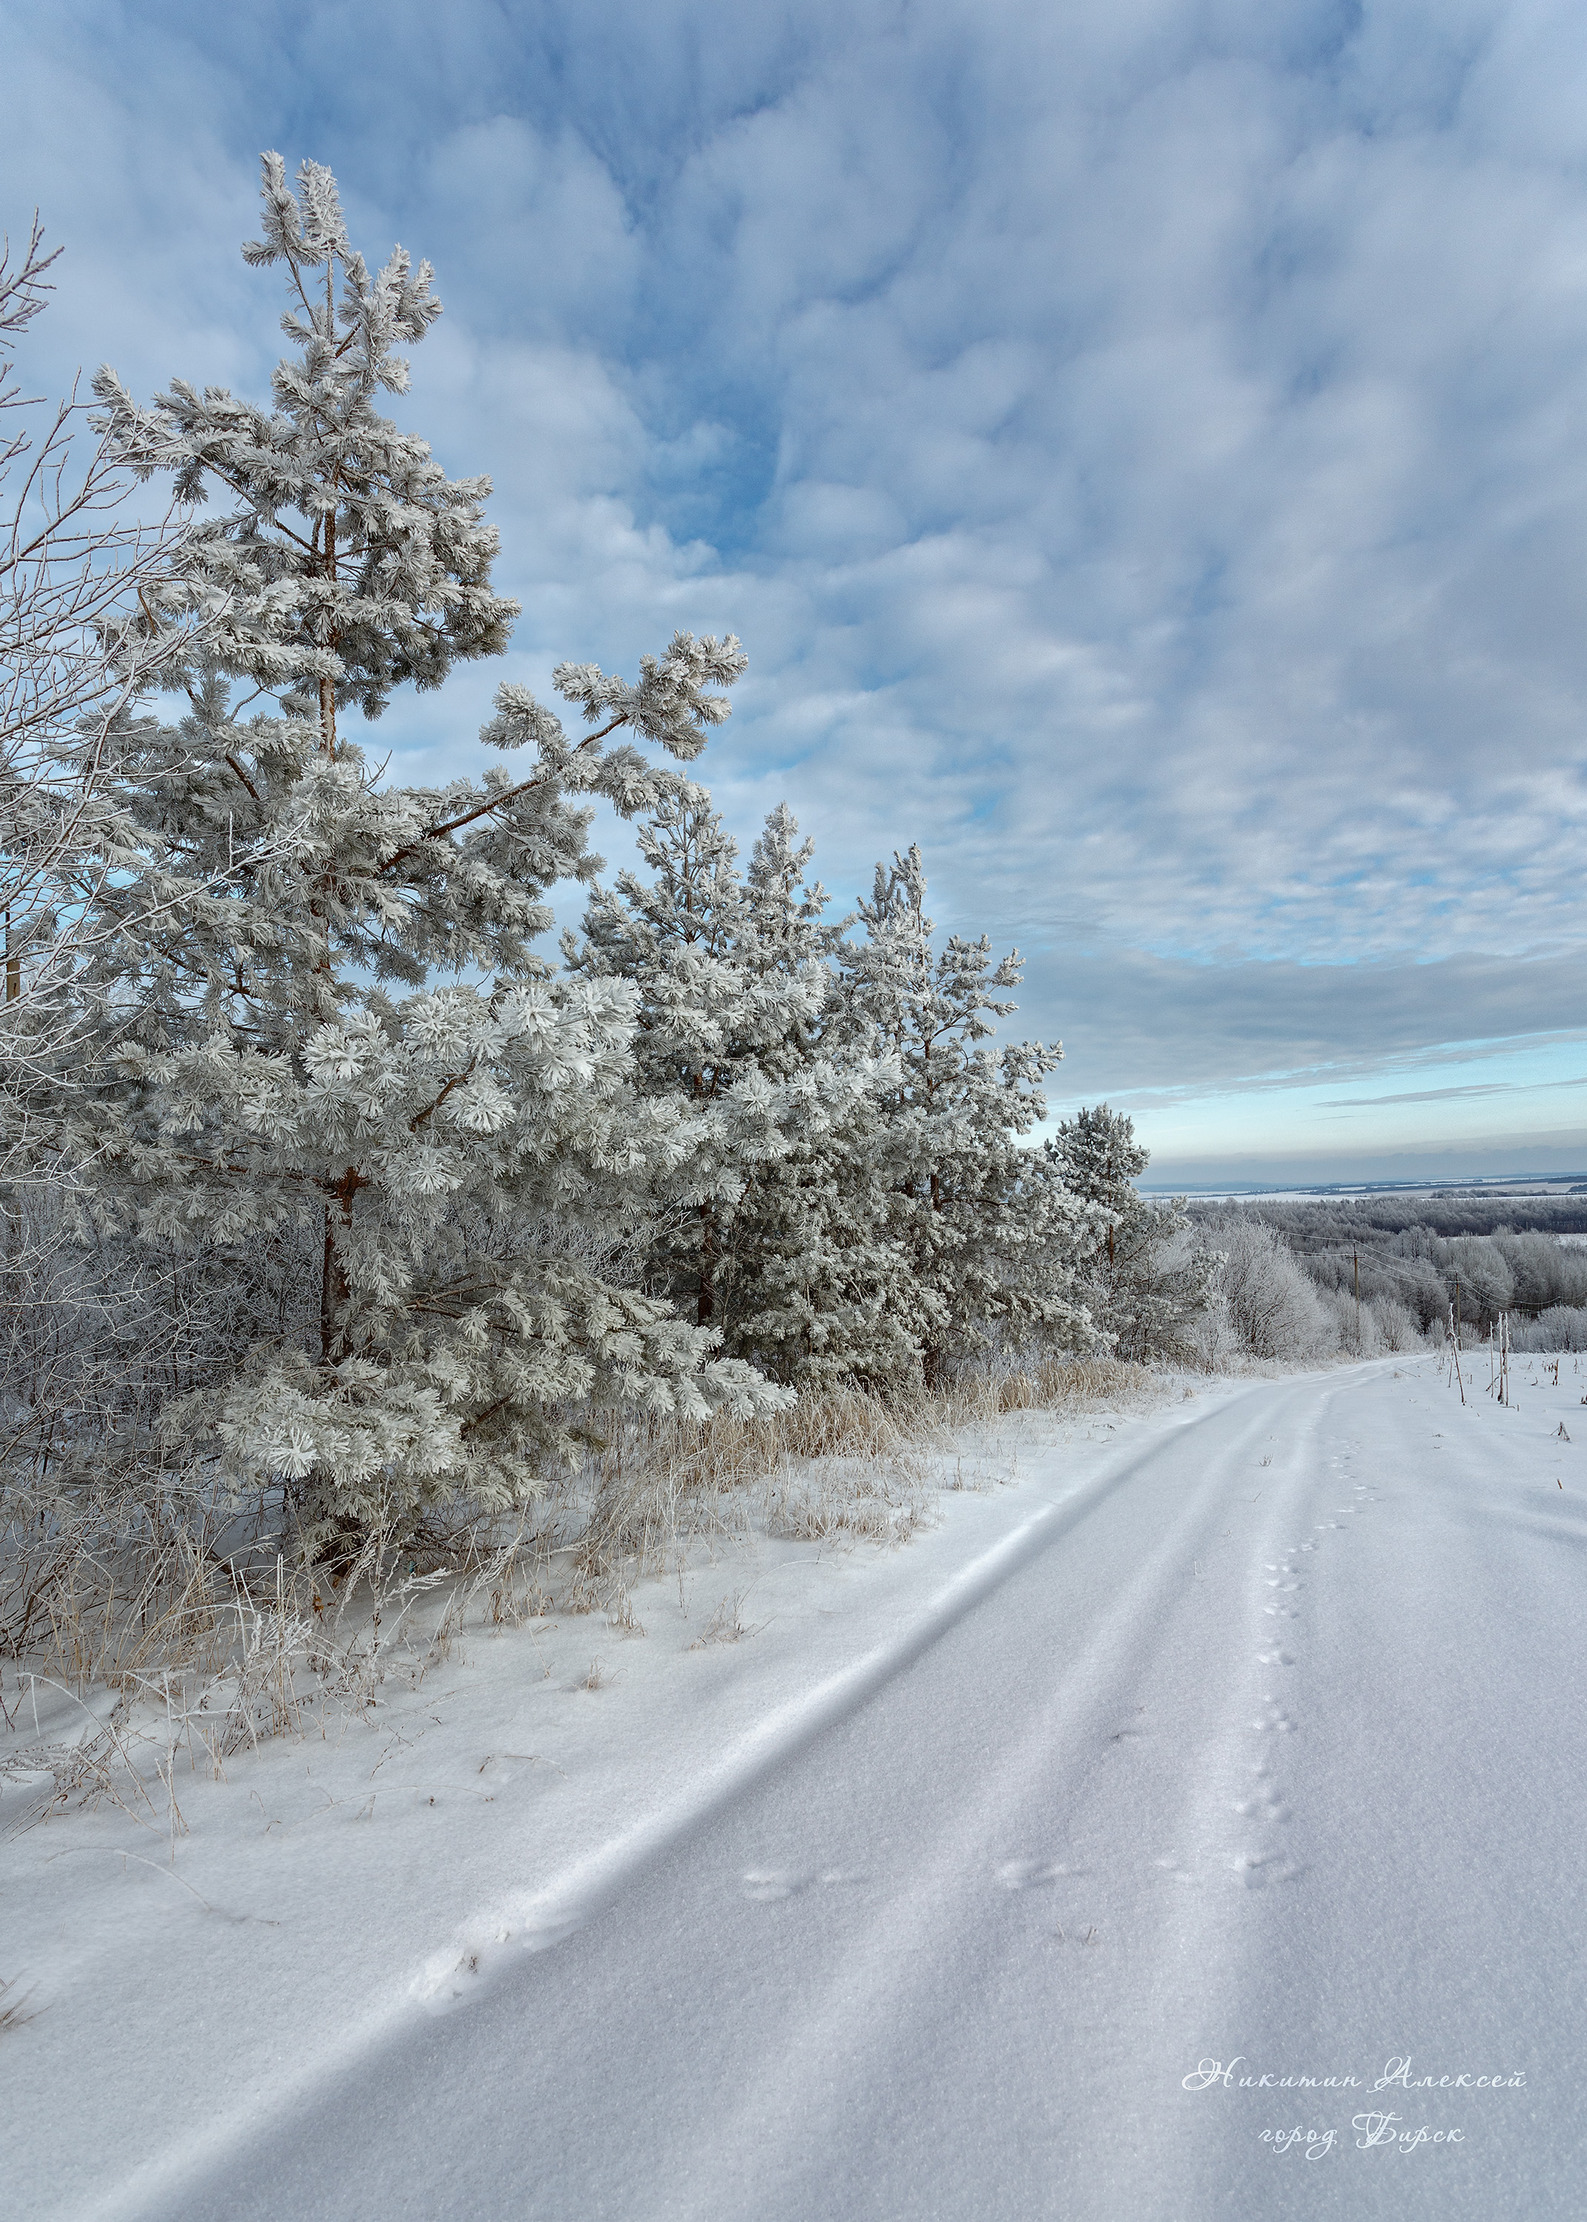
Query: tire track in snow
{"points": [[915, 1955], [493, 1946], [1149, 1629]]}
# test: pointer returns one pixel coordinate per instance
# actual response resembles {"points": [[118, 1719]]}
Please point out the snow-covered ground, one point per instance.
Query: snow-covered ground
{"points": [[1024, 1871]]}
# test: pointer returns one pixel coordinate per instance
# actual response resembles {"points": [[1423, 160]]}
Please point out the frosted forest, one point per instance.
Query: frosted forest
{"points": [[333, 1189], [345, 1207]]}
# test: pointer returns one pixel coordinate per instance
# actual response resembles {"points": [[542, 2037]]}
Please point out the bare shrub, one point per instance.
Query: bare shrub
{"points": [[1396, 1325], [1560, 1327], [1264, 1305]]}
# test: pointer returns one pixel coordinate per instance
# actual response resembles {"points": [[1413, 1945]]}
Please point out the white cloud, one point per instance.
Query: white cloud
{"points": [[1139, 446]]}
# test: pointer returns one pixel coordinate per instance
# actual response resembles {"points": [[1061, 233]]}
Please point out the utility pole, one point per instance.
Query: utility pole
{"points": [[1356, 1260]]}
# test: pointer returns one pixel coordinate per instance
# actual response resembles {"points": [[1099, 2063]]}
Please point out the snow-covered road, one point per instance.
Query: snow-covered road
{"points": [[1261, 1757]]}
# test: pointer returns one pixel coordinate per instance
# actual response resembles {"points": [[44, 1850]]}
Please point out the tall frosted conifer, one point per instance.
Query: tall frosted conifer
{"points": [[707, 1027], [984, 1243], [1143, 1279], [820, 1260], [341, 1048], [774, 1227]]}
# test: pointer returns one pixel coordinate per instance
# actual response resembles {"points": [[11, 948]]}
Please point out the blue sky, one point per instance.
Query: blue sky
{"points": [[1142, 448]]}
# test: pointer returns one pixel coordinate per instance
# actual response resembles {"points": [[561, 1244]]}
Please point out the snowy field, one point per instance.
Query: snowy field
{"points": [[1188, 1824]]}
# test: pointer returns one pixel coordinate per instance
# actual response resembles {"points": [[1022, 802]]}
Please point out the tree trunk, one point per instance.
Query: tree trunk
{"points": [[706, 1307], [334, 1291]]}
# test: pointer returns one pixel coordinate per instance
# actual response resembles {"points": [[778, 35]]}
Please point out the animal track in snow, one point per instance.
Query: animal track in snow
{"points": [[768, 1884], [1031, 1874], [1275, 1721], [1260, 1870], [1267, 1805], [1274, 1658]]}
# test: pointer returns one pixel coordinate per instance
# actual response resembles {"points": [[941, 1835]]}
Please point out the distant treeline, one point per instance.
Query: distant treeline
{"points": [[1428, 1255], [1308, 1226]]}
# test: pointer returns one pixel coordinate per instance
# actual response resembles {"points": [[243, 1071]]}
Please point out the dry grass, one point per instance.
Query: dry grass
{"points": [[846, 1465], [727, 1624], [842, 1499], [842, 1462], [13, 2007], [199, 1662], [1048, 1385], [196, 1654]]}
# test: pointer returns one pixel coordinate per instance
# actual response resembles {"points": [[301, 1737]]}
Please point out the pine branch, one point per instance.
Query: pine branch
{"points": [[494, 802]]}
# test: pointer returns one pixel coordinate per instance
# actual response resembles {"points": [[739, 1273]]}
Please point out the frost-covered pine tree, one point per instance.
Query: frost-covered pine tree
{"points": [[734, 984], [1146, 1282], [709, 1028], [341, 1051], [1098, 1157], [986, 1245], [819, 1260], [787, 927]]}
